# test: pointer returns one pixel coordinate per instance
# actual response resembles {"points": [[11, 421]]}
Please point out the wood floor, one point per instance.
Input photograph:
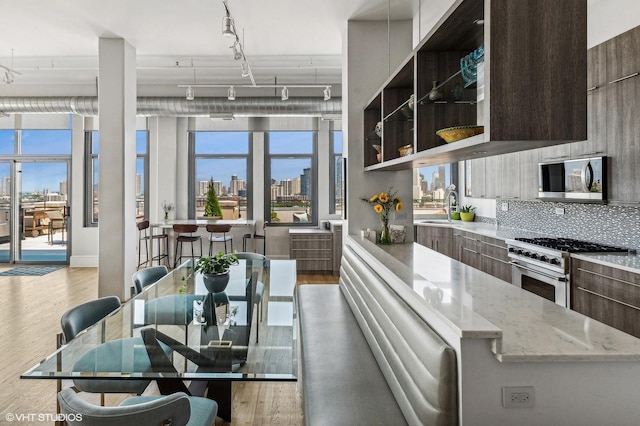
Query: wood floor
{"points": [[30, 319]]}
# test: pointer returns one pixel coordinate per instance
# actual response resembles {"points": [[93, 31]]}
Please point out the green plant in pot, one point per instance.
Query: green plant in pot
{"points": [[467, 214], [215, 270]]}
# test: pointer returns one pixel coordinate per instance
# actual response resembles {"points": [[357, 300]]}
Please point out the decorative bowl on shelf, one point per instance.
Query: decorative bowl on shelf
{"points": [[453, 134], [378, 129], [405, 150]]}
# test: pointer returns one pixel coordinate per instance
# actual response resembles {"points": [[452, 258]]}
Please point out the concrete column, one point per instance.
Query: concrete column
{"points": [[117, 257]]}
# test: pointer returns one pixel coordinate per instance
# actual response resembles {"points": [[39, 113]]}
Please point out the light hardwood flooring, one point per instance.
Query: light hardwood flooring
{"points": [[30, 314]]}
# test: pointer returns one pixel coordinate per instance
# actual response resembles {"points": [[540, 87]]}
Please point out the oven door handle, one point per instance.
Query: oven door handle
{"points": [[536, 271]]}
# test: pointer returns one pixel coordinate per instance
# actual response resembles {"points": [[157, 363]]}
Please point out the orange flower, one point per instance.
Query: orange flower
{"points": [[384, 197], [378, 208], [399, 206], [373, 198]]}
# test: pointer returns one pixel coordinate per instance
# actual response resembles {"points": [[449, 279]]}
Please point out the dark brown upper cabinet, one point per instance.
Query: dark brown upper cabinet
{"points": [[530, 91]]}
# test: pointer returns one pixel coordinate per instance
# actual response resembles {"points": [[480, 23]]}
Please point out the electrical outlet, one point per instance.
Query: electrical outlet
{"points": [[504, 206], [559, 210], [517, 396]]}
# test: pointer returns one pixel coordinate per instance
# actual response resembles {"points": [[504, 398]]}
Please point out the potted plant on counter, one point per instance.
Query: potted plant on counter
{"points": [[215, 270], [467, 214]]}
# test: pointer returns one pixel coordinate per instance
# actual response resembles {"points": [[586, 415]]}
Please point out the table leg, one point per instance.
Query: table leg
{"points": [[220, 392]]}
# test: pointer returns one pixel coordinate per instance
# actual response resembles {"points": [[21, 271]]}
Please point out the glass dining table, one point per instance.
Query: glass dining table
{"points": [[186, 339]]}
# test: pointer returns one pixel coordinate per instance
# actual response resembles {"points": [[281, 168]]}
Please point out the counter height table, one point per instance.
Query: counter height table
{"points": [[160, 335]]}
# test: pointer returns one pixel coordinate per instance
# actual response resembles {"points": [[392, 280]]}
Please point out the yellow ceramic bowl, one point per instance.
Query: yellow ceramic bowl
{"points": [[453, 134], [405, 150]]}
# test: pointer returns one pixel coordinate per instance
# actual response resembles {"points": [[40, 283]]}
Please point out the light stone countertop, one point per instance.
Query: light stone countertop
{"points": [[533, 329]]}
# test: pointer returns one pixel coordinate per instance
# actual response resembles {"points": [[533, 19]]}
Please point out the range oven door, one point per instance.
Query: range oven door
{"points": [[551, 285]]}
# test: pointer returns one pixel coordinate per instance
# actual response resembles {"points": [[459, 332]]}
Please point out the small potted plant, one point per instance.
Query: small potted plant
{"points": [[467, 214], [215, 270]]}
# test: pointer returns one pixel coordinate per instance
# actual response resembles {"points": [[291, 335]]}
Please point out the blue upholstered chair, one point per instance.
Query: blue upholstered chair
{"points": [[106, 357], [175, 409], [147, 276]]}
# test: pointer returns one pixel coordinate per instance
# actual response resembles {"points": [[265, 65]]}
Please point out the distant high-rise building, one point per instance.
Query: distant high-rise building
{"points": [[138, 185], [295, 186], [417, 185], [6, 185], [287, 187], [63, 187], [236, 185], [305, 182]]}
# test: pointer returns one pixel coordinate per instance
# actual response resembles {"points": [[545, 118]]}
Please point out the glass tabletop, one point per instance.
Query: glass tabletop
{"points": [[176, 329]]}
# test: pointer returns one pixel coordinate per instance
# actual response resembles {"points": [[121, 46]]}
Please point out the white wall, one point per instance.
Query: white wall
{"points": [[370, 58]]}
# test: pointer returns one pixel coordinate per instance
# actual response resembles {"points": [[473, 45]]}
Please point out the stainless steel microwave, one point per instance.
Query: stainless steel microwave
{"points": [[583, 180]]}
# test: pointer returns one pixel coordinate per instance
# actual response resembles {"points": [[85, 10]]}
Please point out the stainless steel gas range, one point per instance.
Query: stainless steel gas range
{"points": [[542, 265]]}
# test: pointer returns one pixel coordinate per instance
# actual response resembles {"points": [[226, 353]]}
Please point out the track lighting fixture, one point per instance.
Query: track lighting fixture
{"points": [[8, 77], [231, 94], [190, 93], [327, 93], [245, 69], [227, 26], [237, 54], [285, 93]]}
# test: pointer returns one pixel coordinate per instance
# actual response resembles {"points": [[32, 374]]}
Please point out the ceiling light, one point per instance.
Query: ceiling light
{"points": [[227, 26], [190, 93], [285, 93], [237, 54], [231, 94], [8, 77], [327, 93], [218, 116], [245, 69]]}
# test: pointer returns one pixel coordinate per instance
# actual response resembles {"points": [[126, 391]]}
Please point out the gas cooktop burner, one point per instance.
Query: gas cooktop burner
{"points": [[572, 246]]}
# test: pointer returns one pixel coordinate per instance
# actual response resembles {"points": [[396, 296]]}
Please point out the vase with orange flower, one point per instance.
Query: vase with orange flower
{"points": [[383, 203]]}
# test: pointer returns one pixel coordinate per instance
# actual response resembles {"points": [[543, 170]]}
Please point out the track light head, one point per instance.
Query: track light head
{"points": [[8, 77], [237, 54], [327, 93], [245, 69], [227, 27], [285, 93], [231, 94], [190, 93]]}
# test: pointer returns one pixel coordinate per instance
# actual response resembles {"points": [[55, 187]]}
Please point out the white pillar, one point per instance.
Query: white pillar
{"points": [[117, 257]]}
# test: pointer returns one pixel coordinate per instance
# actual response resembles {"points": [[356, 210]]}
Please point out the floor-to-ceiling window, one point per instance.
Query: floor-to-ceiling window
{"points": [[221, 159], [291, 178], [35, 175], [92, 193], [336, 170]]}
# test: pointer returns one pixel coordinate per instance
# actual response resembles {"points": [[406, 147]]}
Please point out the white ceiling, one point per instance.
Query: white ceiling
{"points": [[55, 43]]}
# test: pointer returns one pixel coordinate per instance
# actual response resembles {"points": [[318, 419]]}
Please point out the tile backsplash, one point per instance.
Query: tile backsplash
{"points": [[606, 224]]}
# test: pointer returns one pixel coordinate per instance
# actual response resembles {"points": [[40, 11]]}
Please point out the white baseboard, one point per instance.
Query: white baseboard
{"points": [[83, 261]]}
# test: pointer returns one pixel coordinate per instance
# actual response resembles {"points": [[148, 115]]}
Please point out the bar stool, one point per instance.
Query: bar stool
{"points": [[181, 230], [213, 238], [145, 235], [255, 236]]}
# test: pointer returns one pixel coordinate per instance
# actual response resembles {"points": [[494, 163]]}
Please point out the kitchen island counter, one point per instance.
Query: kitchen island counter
{"points": [[504, 337], [524, 326]]}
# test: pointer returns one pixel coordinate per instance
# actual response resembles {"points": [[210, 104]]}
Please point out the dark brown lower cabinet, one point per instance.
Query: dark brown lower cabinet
{"points": [[437, 238], [495, 258], [606, 294]]}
